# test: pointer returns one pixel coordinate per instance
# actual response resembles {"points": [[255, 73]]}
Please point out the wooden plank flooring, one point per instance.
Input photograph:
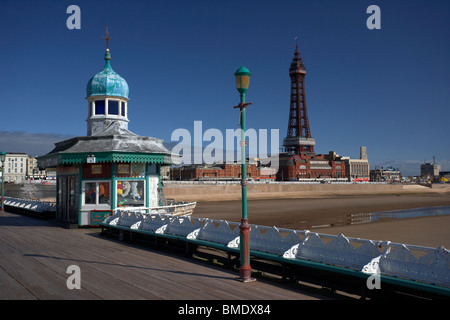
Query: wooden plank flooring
{"points": [[35, 254]]}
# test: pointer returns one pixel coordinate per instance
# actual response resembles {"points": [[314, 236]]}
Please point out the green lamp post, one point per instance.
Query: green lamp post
{"points": [[3, 158], [242, 82]]}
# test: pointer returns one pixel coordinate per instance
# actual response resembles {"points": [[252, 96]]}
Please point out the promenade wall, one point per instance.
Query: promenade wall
{"points": [[211, 191], [217, 192]]}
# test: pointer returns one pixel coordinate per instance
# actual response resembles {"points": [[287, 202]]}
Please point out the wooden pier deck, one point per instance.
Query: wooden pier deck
{"points": [[35, 255]]}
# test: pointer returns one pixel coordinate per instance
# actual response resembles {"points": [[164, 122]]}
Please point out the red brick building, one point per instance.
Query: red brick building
{"points": [[222, 171], [310, 166]]}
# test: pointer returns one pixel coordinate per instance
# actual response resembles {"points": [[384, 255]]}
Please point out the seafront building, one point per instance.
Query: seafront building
{"points": [[430, 171], [358, 170], [34, 173], [222, 171], [311, 167], [388, 174], [16, 165], [20, 167]]}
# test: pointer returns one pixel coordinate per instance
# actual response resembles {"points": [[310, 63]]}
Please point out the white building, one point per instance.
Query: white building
{"points": [[33, 171], [358, 170], [15, 167]]}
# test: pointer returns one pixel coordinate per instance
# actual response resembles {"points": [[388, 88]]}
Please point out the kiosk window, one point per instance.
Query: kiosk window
{"points": [[103, 192], [97, 192], [90, 194], [130, 193]]}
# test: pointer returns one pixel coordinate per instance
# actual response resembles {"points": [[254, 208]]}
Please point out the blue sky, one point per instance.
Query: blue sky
{"points": [[386, 89]]}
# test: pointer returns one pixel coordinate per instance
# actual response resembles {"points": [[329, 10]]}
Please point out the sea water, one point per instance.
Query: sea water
{"points": [[357, 218], [411, 213]]}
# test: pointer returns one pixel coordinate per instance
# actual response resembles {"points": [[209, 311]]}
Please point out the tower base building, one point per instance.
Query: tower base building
{"points": [[299, 162]]}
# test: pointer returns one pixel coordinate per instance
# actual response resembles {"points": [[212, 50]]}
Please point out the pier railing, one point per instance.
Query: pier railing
{"points": [[30, 205], [422, 268], [174, 208]]}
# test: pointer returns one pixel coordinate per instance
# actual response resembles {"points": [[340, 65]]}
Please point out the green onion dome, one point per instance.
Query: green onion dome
{"points": [[107, 82]]}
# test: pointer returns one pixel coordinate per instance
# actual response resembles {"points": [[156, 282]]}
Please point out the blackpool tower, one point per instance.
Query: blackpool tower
{"points": [[298, 140]]}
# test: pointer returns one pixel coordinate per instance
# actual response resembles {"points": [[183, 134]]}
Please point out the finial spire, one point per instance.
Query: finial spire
{"points": [[107, 38], [297, 62], [296, 52]]}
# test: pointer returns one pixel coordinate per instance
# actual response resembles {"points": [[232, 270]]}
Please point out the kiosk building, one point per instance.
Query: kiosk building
{"points": [[111, 167]]}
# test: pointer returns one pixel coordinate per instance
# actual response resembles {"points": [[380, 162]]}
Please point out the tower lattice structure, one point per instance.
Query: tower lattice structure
{"points": [[298, 139]]}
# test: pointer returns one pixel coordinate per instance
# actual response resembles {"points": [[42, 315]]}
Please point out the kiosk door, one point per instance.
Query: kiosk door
{"points": [[69, 199]]}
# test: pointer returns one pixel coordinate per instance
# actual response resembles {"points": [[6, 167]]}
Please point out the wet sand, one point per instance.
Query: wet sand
{"points": [[345, 214]]}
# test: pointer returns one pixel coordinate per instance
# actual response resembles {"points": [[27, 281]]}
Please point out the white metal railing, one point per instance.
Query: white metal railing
{"points": [[425, 264], [33, 205], [175, 208]]}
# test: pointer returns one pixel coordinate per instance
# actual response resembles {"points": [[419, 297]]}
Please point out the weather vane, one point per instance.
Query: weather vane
{"points": [[107, 38]]}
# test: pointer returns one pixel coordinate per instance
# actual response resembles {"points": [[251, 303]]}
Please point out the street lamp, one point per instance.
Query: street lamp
{"points": [[242, 82], [3, 158]]}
